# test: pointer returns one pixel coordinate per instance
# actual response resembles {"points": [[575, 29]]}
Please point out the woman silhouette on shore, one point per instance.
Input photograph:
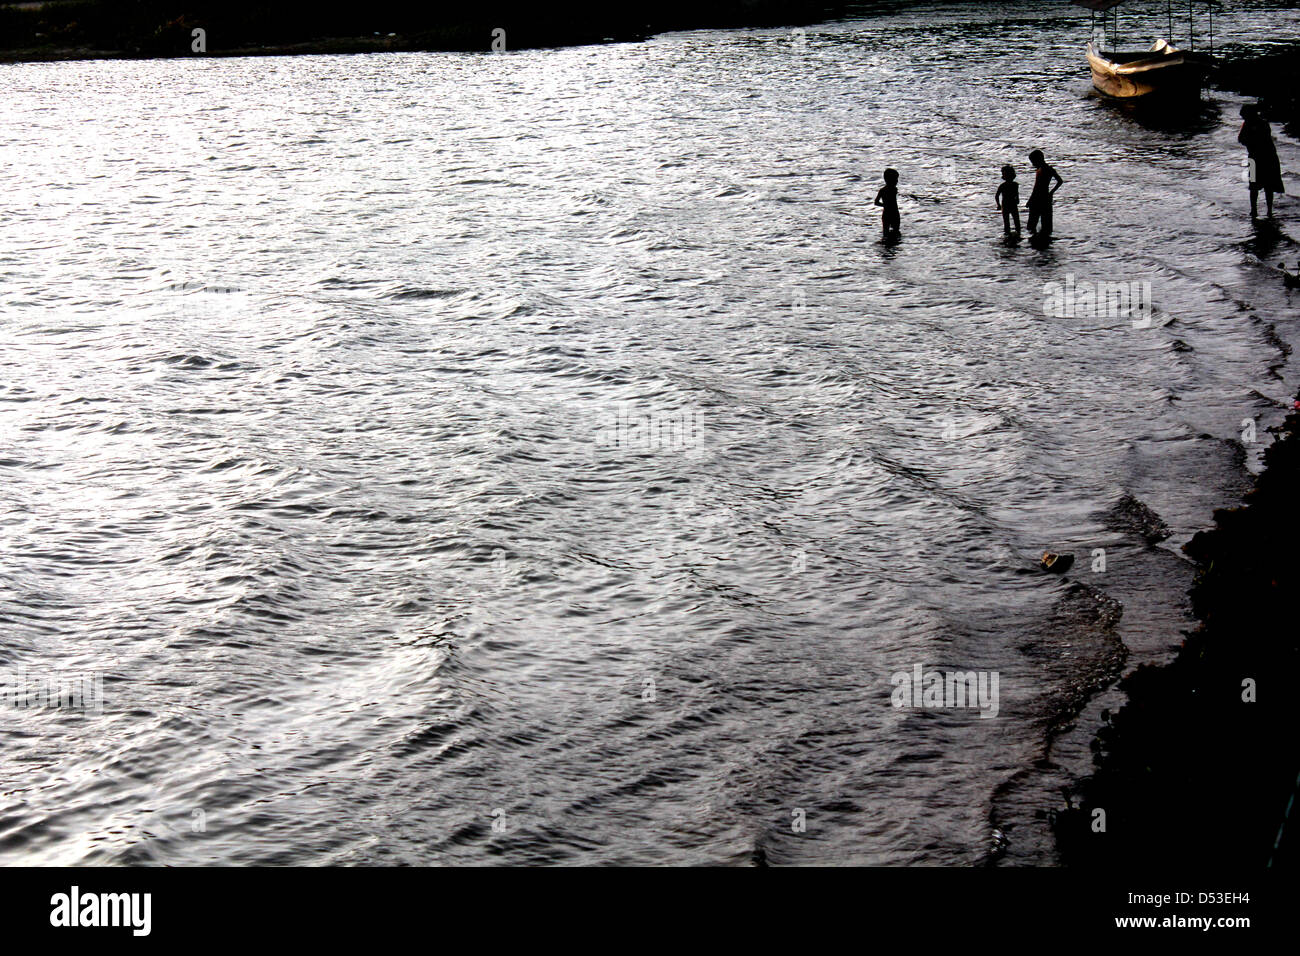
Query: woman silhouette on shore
{"points": [[1265, 170]]}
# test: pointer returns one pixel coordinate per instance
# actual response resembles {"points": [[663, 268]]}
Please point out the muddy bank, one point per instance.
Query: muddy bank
{"points": [[105, 29], [1200, 764]]}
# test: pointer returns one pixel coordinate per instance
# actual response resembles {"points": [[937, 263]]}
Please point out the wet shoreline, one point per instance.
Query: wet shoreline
{"points": [[1187, 770], [1187, 766]]}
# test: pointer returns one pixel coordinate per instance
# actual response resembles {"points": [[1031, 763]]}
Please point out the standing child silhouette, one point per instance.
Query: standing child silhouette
{"points": [[1008, 199], [888, 198]]}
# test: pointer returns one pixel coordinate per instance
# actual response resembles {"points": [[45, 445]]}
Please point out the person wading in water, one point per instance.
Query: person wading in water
{"points": [[888, 198], [1040, 200], [1008, 201], [1265, 170]]}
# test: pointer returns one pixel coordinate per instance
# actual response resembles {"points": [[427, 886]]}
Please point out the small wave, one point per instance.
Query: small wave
{"points": [[423, 294]]}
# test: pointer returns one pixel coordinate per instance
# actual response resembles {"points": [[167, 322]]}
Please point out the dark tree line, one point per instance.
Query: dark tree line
{"points": [[165, 27]]}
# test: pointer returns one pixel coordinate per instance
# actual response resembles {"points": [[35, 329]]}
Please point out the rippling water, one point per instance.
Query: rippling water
{"points": [[312, 370]]}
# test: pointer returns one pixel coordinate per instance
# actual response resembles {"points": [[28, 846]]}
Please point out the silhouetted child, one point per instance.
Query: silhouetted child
{"points": [[1040, 199], [888, 198], [1008, 199]]}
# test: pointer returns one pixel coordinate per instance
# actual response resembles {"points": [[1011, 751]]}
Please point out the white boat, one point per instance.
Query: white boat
{"points": [[1162, 70]]}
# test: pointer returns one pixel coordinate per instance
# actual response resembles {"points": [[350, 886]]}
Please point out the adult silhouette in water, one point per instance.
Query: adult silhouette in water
{"points": [[1040, 199], [888, 198], [1265, 170]]}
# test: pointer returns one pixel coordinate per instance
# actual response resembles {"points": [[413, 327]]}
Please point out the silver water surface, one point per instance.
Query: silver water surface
{"points": [[309, 367]]}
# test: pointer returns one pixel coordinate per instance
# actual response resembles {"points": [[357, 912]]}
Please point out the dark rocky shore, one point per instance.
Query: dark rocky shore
{"points": [[1199, 768], [1269, 77]]}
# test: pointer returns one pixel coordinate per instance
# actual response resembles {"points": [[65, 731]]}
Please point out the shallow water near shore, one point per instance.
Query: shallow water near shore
{"points": [[311, 445]]}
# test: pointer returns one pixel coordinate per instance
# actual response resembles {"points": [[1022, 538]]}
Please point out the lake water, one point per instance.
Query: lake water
{"points": [[538, 458]]}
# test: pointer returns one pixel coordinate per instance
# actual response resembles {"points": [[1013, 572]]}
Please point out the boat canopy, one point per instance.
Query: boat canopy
{"points": [[1101, 6]]}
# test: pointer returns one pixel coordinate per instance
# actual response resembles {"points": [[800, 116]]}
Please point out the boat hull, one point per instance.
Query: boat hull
{"points": [[1163, 71]]}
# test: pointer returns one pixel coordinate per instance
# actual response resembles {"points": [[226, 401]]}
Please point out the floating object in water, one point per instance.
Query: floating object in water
{"points": [[998, 843], [1290, 279], [1056, 563]]}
